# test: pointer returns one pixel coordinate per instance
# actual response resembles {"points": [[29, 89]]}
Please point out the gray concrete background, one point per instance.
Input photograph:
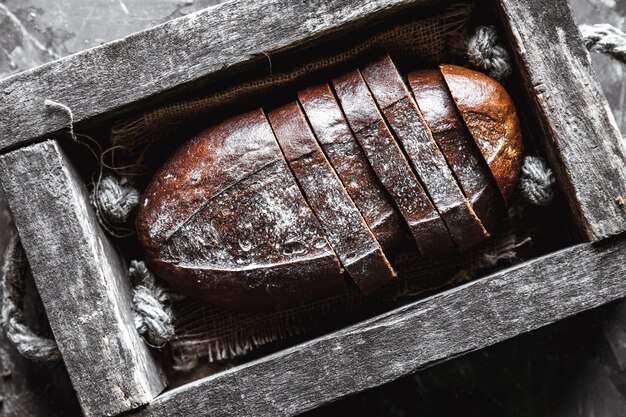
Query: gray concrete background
{"points": [[574, 368]]}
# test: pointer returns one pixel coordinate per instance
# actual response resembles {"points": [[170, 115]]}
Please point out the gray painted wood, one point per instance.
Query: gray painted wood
{"points": [[581, 137], [446, 325], [82, 282], [209, 44]]}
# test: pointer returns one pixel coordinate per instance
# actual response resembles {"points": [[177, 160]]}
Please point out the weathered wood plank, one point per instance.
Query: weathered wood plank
{"points": [[210, 43], [581, 137], [470, 317], [82, 282]]}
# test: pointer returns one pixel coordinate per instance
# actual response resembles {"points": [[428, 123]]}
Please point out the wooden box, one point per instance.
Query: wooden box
{"points": [[82, 279]]}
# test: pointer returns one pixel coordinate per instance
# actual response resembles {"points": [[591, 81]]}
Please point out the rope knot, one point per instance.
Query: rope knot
{"points": [[484, 52], [29, 344], [536, 181], [153, 315], [606, 39], [116, 198]]}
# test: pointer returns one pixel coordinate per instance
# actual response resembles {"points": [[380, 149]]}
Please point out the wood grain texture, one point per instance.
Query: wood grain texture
{"points": [[82, 282], [215, 42], [467, 318], [581, 137]]}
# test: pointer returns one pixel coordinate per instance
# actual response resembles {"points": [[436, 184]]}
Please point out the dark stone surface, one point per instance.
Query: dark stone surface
{"points": [[573, 368]]}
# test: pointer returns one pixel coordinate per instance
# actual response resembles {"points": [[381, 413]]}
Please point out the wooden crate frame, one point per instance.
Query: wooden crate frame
{"points": [[76, 268]]}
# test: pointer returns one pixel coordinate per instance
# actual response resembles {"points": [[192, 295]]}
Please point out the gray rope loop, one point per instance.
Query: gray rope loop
{"points": [[536, 183], [153, 315], [115, 198], [30, 345], [606, 39], [484, 52]]}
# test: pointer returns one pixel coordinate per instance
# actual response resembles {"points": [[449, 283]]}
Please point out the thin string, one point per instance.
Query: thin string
{"points": [[115, 230]]}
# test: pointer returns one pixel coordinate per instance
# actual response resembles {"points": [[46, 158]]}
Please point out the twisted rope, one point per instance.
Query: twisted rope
{"points": [[30, 345], [536, 182], [153, 315], [485, 53], [116, 198], [606, 39]]}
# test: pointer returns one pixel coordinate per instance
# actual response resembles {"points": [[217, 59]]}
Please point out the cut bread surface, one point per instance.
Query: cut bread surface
{"points": [[347, 158], [409, 127], [457, 145], [390, 165], [348, 233], [490, 116]]}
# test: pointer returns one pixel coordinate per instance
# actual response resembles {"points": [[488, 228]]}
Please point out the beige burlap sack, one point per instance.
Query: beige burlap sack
{"points": [[205, 333]]}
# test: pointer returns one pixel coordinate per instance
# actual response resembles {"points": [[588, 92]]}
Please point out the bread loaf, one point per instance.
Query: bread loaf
{"points": [[258, 214]]}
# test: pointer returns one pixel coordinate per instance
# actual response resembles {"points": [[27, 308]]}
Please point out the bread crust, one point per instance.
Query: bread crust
{"points": [[410, 129], [457, 145], [490, 116], [348, 233], [347, 158], [391, 167], [224, 221]]}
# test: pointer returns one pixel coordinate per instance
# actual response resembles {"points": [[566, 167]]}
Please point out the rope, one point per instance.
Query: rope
{"points": [[485, 53], [30, 345], [536, 182], [153, 315], [606, 39], [116, 198]]}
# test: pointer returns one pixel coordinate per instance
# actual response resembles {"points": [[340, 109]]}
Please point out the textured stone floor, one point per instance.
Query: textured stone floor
{"points": [[573, 368]]}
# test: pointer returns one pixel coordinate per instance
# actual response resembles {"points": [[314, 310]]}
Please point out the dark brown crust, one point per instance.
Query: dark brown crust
{"points": [[224, 221], [411, 130], [390, 165], [348, 233], [457, 145], [490, 116], [347, 158]]}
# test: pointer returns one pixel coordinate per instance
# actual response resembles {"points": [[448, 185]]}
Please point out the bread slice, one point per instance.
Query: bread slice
{"points": [[490, 116], [457, 145], [407, 122], [347, 158], [350, 237], [390, 165], [224, 221]]}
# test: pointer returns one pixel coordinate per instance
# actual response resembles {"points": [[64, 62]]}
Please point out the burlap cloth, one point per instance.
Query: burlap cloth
{"points": [[211, 334]]}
